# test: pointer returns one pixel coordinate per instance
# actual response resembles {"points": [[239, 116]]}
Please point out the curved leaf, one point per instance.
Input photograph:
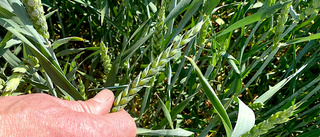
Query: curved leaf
{"points": [[213, 99], [245, 120]]}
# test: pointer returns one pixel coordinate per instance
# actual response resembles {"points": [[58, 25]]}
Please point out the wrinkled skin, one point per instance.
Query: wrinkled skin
{"points": [[40, 115]]}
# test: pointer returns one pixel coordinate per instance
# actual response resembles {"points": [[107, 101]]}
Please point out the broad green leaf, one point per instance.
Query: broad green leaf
{"points": [[166, 112], [205, 132], [6, 10], [70, 51], [209, 5], [103, 11], [153, 7], [192, 9], [3, 43], [265, 63], [164, 132], [296, 94], [312, 133], [136, 32], [113, 73], [267, 95], [48, 15], [128, 53], [310, 94], [176, 110], [245, 120], [213, 99], [245, 21], [88, 76], [60, 42], [121, 87], [303, 39], [12, 59], [232, 61], [74, 70], [177, 10], [262, 14]]}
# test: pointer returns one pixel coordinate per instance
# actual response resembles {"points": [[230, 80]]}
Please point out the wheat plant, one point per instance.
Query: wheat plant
{"points": [[155, 67], [36, 13], [179, 67]]}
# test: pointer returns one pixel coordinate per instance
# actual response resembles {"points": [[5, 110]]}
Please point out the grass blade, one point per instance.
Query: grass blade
{"points": [[166, 112], [253, 18], [267, 95], [164, 132], [213, 99], [60, 42]]}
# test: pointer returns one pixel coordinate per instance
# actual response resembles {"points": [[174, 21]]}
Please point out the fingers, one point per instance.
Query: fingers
{"points": [[105, 124], [118, 124], [122, 124], [100, 104]]}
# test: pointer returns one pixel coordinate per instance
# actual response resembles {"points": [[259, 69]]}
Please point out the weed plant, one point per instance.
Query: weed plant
{"points": [[179, 67]]}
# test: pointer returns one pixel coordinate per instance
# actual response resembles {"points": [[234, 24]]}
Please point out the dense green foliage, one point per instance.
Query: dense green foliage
{"points": [[179, 67]]}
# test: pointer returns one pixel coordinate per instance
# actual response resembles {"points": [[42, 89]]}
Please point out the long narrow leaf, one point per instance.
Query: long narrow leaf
{"points": [[164, 132], [267, 95], [213, 99], [166, 112], [55, 74]]}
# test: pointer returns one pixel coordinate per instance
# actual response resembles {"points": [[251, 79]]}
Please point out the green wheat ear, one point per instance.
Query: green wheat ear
{"points": [[105, 58], [312, 10], [158, 32], [277, 118], [155, 67], [282, 19], [36, 14], [14, 80]]}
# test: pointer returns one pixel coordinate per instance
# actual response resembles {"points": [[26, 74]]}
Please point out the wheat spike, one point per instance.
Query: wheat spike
{"points": [[143, 78], [35, 11], [105, 58], [158, 32], [277, 118], [312, 10], [282, 19], [14, 80]]}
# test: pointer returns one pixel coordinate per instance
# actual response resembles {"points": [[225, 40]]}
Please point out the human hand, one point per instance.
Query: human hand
{"points": [[44, 115]]}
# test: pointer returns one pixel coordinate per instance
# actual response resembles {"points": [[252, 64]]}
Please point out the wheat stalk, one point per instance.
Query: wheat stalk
{"points": [[144, 77], [36, 14]]}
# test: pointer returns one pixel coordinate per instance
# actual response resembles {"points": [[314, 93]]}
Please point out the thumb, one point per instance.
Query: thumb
{"points": [[100, 104]]}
